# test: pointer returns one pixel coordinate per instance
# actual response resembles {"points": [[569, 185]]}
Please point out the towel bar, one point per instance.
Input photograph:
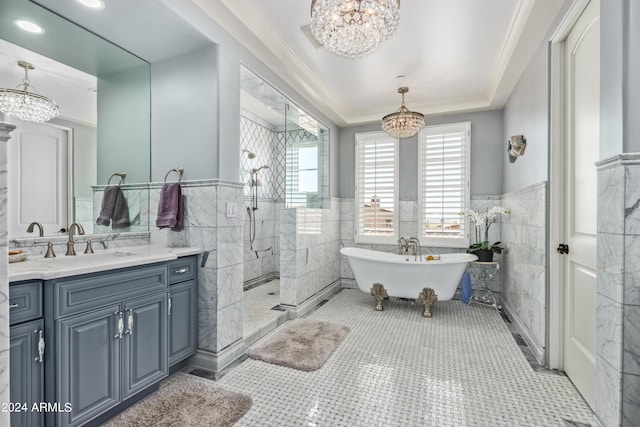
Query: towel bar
{"points": [[178, 170], [122, 176]]}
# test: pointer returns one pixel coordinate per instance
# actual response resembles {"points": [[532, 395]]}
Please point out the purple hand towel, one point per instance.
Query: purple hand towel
{"points": [[170, 207], [114, 207]]}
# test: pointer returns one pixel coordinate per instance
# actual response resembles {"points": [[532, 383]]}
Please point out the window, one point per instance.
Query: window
{"points": [[301, 172], [443, 185], [376, 188]]}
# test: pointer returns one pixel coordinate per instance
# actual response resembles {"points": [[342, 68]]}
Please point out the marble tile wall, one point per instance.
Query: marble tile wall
{"points": [[5, 129], [261, 258], [618, 292], [523, 263], [309, 253], [220, 273], [408, 227]]}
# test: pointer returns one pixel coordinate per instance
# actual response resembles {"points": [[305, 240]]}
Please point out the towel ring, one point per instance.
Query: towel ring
{"points": [[178, 170], [121, 175]]}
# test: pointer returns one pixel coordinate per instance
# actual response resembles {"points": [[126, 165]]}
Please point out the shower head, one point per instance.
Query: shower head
{"points": [[249, 154]]}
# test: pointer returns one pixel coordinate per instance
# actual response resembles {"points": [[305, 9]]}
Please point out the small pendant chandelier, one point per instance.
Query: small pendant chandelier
{"points": [[353, 28], [403, 123], [25, 105]]}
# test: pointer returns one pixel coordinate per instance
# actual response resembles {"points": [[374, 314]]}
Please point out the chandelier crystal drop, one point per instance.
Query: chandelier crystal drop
{"points": [[403, 123], [25, 105], [353, 28]]}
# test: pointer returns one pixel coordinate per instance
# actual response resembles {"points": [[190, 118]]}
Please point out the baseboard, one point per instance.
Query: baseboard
{"points": [[217, 362], [348, 283], [312, 302], [536, 349], [260, 280]]}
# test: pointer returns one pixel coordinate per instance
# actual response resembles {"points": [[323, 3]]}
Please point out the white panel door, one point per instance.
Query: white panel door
{"points": [[582, 139], [38, 178]]}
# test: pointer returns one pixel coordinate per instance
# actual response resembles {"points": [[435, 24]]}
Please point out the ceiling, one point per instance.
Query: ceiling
{"points": [[456, 55]]}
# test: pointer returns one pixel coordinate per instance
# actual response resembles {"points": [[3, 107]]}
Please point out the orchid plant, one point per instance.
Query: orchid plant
{"points": [[482, 222]]}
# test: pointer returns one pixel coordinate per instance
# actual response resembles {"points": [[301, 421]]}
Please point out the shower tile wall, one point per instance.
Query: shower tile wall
{"points": [[524, 264], [618, 291], [261, 138], [5, 129], [408, 227], [310, 254]]}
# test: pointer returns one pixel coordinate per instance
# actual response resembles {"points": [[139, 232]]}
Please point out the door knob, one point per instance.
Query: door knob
{"points": [[563, 248]]}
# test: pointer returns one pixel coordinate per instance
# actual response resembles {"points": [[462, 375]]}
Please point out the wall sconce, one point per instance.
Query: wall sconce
{"points": [[515, 147]]}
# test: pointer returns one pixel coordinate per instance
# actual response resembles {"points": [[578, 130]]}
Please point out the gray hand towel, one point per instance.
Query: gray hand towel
{"points": [[170, 207], [114, 207], [120, 215]]}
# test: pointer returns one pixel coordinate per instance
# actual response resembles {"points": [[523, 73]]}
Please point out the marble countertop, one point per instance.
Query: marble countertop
{"points": [[40, 268]]}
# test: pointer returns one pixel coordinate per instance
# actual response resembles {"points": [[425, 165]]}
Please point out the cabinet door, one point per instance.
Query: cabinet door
{"points": [[145, 344], [27, 373], [88, 364], [182, 321]]}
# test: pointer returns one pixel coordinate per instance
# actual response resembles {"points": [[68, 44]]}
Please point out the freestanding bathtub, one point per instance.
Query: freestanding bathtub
{"points": [[404, 277]]}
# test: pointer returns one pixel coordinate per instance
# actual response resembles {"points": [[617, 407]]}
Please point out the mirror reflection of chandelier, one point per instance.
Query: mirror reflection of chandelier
{"points": [[403, 123], [353, 28], [25, 105]]}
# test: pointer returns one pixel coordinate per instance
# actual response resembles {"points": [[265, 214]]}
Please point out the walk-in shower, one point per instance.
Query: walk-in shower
{"points": [[254, 182]]}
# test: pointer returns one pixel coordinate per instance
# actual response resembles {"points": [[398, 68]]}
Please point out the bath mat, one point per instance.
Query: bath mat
{"points": [[302, 344], [184, 401]]}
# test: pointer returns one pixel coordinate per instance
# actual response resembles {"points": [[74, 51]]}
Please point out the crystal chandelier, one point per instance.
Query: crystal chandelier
{"points": [[25, 105], [403, 123], [353, 27]]}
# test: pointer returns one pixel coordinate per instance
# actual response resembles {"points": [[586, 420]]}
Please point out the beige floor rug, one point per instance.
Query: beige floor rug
{"points": [[183, 401], [301, 344]]}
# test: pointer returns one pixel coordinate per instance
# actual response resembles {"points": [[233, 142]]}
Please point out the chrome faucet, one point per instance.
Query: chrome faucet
{"points": [[70, 249], [414, 243], [40, 228], [403, 246]]}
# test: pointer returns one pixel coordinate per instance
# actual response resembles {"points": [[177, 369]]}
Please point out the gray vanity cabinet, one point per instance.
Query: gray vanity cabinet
{"points": [[182, 321], [111, 338], [183, 291], [26, 353], [88, 374], [145, 343], [27, 374]]}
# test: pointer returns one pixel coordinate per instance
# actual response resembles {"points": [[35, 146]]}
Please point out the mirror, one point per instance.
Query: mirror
{"points": [[107, 121], [293, 143]]}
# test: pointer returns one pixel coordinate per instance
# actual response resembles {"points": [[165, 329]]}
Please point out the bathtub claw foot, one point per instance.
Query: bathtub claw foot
{"points": [[379, 293], [427, 297]]}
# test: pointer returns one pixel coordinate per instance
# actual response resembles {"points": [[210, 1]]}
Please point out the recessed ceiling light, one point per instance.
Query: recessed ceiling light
{"points": [[28, 26], [93, 4]]}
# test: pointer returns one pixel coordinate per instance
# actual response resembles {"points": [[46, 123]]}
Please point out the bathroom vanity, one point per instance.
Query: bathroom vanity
{"points": [[91, 334]]}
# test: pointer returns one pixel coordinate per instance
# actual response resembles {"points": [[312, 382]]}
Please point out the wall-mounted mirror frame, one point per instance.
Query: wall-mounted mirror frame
{"points": [[122, 128]]}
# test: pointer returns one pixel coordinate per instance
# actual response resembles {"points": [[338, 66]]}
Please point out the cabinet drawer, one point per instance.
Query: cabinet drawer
{"points": [[78, 294], [182, 269], [25, 301]]}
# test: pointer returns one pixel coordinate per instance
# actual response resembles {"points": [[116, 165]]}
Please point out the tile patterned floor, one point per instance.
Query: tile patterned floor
{"points": [[460, 368], [259, 318]]}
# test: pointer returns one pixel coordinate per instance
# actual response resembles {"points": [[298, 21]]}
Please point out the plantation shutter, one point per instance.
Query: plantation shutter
{"points": [[444, 183], [376, 185]]}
